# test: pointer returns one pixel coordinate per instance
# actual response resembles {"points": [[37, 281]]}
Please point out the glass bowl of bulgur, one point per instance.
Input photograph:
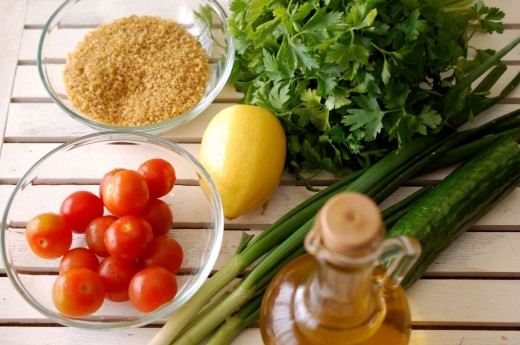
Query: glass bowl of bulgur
{"points": [[79, 166], [146, 66]]}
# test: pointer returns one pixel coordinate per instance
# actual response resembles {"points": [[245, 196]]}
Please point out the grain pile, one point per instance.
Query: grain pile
{"points": [[136, 71]]}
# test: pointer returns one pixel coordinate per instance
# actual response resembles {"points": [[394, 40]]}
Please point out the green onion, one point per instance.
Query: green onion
{"points": [[262, 244], [237, 322], [286, 235], [252, 286], [387, 175]]}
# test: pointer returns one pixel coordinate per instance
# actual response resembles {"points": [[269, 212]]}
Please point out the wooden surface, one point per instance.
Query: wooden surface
{"points": [[470, 295]]}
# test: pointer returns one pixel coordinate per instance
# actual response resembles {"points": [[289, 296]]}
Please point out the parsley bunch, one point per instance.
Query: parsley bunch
{"points": [[353, 79]]}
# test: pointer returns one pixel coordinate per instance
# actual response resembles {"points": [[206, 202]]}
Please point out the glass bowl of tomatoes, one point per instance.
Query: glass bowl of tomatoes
{"points": [[112, 230]]}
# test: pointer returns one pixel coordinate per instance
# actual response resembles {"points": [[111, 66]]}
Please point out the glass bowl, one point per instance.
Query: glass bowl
{"points": [[80, 165], [68, 25]]}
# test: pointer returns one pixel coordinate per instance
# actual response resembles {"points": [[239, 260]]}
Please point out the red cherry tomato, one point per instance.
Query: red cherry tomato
{"points": [[159, 215], [79, 208], [78, 292], [125, 193], [95, 234], [159, 175], [78, 258], [49, 236], [152, 287], [116, 276], [128, 238], [164, 251], [105, 178]]}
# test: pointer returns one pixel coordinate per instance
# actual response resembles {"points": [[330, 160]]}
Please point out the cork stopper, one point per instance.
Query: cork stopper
{"points": [[350, 223]]}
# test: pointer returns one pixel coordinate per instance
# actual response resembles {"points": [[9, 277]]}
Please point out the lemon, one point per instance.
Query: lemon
{"points": [[243, 149]]}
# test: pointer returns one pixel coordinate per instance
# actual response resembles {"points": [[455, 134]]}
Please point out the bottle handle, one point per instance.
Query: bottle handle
{"points": [[399, 255]]}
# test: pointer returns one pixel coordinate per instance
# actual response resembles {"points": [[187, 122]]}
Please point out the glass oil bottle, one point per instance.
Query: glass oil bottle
{"points": [[346, 289]]}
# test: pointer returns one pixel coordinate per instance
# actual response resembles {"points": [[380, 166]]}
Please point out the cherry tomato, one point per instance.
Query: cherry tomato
{"points": [[95, 234], [164, 251], [128, 238], [78, 292], [105, 178], [78, 258], [159, 175], [116, 276], [159, 215], [152, 287], [79, 208], [49, 236], [125, 193]]}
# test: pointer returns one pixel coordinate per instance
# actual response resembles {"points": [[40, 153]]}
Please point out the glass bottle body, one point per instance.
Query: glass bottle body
{"points": [[293, 313]]}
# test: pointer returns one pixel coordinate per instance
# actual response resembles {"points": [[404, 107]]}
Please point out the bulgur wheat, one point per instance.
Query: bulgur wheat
{"points": [[136, 71]]}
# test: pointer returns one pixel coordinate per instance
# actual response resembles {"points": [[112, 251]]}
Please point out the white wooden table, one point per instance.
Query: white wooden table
{"points": [[470, 295]]}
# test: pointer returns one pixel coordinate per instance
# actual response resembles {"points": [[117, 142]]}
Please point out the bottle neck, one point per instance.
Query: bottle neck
{"points": [[339, 297], [338, 294]]}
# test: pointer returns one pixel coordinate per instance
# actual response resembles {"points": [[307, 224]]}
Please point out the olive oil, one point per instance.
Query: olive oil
{"points": [[342, 298]]}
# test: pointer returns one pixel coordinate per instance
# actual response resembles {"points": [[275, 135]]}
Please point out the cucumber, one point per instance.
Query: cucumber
{"points": [[445, 212]]}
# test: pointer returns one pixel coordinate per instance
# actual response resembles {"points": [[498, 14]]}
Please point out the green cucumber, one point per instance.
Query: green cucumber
{"points": [[442, 214]]}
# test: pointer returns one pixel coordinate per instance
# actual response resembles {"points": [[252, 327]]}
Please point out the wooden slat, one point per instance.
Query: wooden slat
{"points": [[17, 310], [188, 238], [28, 87], [31, 38], [424, 337], [502, 217], [40, 199], [11, 28], [475, 254], [465, 302], [432, 303], [45, 122], [19, 157], [40, 10], [72, 336], [456, 337], [45, 198], [486, 254]]}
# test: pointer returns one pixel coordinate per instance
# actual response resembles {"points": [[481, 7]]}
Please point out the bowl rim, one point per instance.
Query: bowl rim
{"points": [[145, 319], [156, 128]]}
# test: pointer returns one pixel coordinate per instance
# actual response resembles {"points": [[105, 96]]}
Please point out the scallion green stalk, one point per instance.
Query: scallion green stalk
{"points": [[393, 170], [378, 181], [463, 152], [261, 245], [253, 285], [237, 322]]}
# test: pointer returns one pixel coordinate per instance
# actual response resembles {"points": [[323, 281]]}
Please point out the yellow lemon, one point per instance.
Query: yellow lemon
{"points": [[243, 149]]}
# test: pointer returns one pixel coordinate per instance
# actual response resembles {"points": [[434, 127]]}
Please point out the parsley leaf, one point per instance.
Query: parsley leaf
{"points": [[297, 54], [369, 117], [489, 17], [351, 80]]}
